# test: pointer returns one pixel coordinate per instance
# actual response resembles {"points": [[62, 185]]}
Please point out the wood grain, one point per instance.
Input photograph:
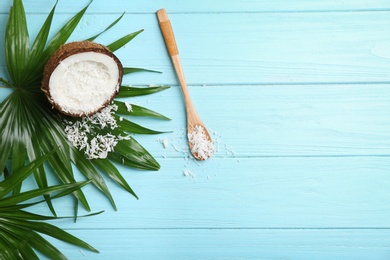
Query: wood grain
{"points": [[241, 48], [296, 94], [205, 6], [277, 120], [235, 244], [231, 193]]}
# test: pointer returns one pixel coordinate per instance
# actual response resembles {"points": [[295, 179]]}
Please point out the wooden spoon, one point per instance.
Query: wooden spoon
{"points": [[193, 119]]}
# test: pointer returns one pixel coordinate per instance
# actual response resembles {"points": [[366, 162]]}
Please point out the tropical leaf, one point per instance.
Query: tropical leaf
{"points": [[86, 167], [64, 33], [19, 229], [17, 42], [131, 127], [137, 111], [131, 153], [15, 179], [36, 59], [107, 167], [108, 28], [139, 91], [123, 41], [133, 70]]}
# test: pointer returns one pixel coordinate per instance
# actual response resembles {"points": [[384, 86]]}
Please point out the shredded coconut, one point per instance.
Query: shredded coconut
{"points": [[200, 144], [104, 117], [164, 142], [189, 173], [128, 107], [82, 133]]}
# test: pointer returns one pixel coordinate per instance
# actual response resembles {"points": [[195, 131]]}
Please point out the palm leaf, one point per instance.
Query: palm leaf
{"points": [[19, 229], [137, 111], [15, 179], [44, 247], [64, 33], [17, 42], [131, 127], [40, 172], [131, 153], [122, 41], [108, 28], [36, 59], [40, 192], [109, 168], [86, 167], [139, 91], [133, 70], [52, 231]]}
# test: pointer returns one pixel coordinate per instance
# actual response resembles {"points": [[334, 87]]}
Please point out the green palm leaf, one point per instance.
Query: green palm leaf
{"points": [[137, 111], [29, 128], [64, 33], [108, 28], [133, 70], [122, 41], [19, 230], [86, 167], [109, 168], [131, 127], [139, 91], [17, 42]]}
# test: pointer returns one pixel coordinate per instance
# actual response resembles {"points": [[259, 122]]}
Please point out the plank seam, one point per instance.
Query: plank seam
{"points": [[239, 228], [373, 10]]}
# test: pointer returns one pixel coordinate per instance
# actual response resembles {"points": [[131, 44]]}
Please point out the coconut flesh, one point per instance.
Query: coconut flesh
{"points": [[81, 78]]}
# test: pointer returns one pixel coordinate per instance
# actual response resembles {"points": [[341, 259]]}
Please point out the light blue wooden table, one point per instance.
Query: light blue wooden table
{"points": [[297, 95]]}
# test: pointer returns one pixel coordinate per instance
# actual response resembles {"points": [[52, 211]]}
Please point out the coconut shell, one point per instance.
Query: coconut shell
{"points": [[66, 51]]}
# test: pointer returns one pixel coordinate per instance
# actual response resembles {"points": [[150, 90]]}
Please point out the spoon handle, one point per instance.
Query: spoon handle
{"points": [[167, 31], [170, 42]]}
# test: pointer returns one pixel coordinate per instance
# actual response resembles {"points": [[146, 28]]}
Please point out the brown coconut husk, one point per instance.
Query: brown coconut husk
{"points": [[66, 51]]}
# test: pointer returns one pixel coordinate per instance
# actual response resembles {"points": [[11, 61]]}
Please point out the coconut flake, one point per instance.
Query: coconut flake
{"points": [[200, 144], [80, 133], [128, 107], [164, 142], [105, 117], [100, 145]]}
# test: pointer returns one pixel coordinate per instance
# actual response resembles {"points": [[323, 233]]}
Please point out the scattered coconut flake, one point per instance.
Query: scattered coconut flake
{"points": [[128, 106], [80, 133], [200, 144], [189, 173], [176, 148], [100, 145], [105, 117], [164, 142]]}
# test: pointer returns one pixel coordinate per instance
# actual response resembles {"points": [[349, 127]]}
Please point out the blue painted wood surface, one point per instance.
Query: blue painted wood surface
{"points": [[297, 96]]}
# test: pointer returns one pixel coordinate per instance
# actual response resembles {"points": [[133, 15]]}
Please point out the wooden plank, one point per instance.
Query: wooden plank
{"points": [[241, 48], [301, 120], [302, 192], [150, 6], [296, 120], [237, 244]]}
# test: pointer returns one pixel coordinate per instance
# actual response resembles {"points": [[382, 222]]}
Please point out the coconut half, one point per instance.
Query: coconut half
{"points": [[81, 78]]}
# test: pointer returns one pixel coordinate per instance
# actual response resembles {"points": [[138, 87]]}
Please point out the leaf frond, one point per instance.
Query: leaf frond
{"points": [[123, 41], [108, 28], [127, 91], [133, 70]]}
